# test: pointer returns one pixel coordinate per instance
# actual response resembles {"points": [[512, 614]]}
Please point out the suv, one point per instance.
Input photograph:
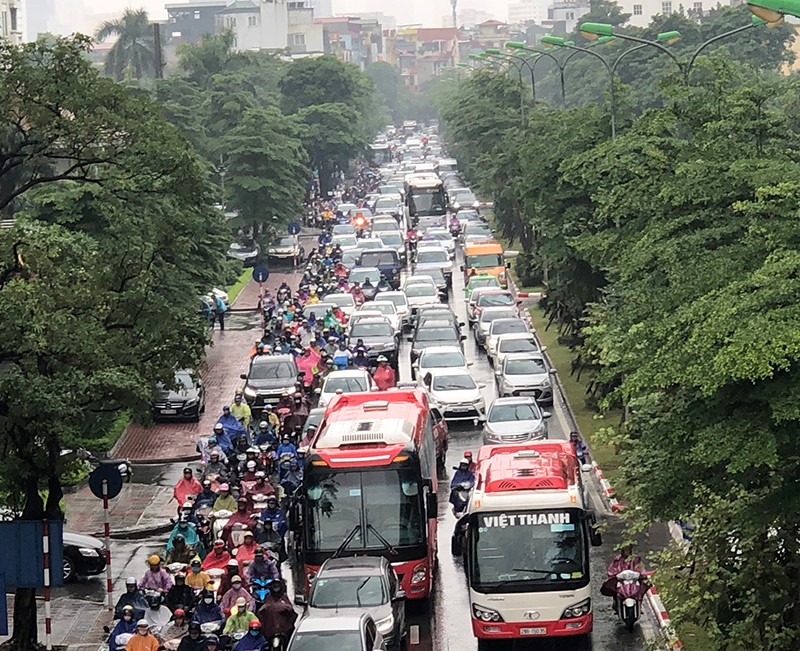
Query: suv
{"points": [[434, 333], [386, 261], [351, 586], [269, 376], [434, 257]]}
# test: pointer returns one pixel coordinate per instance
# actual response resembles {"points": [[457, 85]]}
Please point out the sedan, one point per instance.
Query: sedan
{"points": [[443, 237], [285, 248], [514, 420], [436, 258], [324, 632], [83, 556], [348, 381], [501, 327], [486, 317], [344, 301], [525, 374], [186, 400], [437, 357], [346, 242], [246, 252], [434, 333], [419, 295], [455, 393], [382, 308], [400, 303], [518, 342]]}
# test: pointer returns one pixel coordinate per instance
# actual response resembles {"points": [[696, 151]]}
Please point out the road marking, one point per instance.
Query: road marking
{"points": [[413, 634]]}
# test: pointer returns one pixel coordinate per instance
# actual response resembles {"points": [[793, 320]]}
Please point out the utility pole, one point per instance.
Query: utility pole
{"points": [[157, 54], [454, 4], [222, 171]]}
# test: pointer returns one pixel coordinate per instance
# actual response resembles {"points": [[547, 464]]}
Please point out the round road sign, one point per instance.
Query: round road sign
{"points": [[260, 274], [293, 228], [108, 473]]}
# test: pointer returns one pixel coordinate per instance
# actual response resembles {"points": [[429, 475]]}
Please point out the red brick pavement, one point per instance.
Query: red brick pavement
{"points": [[226, 360], [139, 507]]}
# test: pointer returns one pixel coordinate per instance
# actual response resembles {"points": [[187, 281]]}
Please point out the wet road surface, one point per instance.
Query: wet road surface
{"points": [[444, 623]]}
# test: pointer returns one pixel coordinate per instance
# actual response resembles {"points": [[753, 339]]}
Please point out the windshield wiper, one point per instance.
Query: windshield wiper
{"points": [[385, 542], [346, 542], [358, 589]]}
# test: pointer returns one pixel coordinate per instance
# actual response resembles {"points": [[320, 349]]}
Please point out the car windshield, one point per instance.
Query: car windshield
{"points": [[345, 240], [379, 258], [398, 300], [420, 289], [517, 346], [465, 198], [343, 229], [531, 366], [371, 330], [348, 592], [468, 215], [439, 237], [384, 308], [488, 317], [349, 384], [453, 382], [384, 226], [504, 413], [495, 300], [436, 334], [272, 371], [349, 258], [443, 360], [370, 244], [425, 256], [484, 260], [341, 300], [360, 275], [236, 246], [286, 242], [509, 327], [392, 239], [326, 640], [482, 281], [386, 202]]}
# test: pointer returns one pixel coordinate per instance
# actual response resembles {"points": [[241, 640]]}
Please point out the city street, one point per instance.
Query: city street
{"points": [[449, 627]]}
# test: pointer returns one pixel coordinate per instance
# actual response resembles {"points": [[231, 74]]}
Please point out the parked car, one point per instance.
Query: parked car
{"points": [[269, 376], [348, 381], [187, 400], [525, 374], [286, 248], [83, 556], [325, 632], [456, 394], [348, 587], [246, 252], [515, 420]]}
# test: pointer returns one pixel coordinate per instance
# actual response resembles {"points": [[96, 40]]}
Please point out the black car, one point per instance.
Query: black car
{"points": [[434, 333], [186, 401], [83, 556], [379, 337], [437, 313], [269, 376]]}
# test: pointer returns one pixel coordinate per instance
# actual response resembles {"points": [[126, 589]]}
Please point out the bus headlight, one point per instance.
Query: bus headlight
{"points": [[577, 610], [485, 614], [419, 574]]}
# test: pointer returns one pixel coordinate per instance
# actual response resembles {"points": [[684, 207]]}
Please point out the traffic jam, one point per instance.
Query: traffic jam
{"points": [[396, 463]]}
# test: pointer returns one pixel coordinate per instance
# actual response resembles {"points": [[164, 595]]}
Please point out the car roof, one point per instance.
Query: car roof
{"points": [[350, 372], [385, 294], [450, 370], [365, 269], [509, 336], [381, 250], [324, 622], [441, 349], [353, 564], [514, 400], [508, 320], [485, 290], [435, 323], [530, 355], [337, 295], [492, 309], [272, 359]]}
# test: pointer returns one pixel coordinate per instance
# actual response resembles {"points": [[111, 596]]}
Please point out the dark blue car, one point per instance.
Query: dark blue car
{"points": [[386, 260]]}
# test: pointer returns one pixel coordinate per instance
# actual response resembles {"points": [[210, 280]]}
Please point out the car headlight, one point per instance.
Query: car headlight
{"points": [[191, 402], [540, 429], [250, 392], [385, 625], [577, 610], [485, 614], [88, 551]]}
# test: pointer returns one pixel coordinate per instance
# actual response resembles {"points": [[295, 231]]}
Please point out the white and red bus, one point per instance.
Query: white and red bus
{"points": [[525, 539], [369, 485]]}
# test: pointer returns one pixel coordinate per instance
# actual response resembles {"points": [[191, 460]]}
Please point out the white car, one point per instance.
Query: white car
{"points": [[438, 357], [421, 294], [348, 381], [442, 237], [400, 303], [383, 308], [455, 393], [418, 279], [345, 302], [516, 342], [285, 248], [347, 242], [501, 327]]}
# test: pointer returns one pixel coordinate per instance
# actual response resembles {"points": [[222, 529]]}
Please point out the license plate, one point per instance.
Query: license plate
{"points": [[169, 411], [533, 631], [527, 393], [462, 409]]}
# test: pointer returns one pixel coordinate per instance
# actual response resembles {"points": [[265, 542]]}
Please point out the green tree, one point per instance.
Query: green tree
{"points": [[132, 54], [100, 273], [324, 80], [387, 81]]}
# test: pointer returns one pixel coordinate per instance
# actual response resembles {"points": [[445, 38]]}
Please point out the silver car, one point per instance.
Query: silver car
{"points": [[489, 314], [515, 420], [525, 374]]}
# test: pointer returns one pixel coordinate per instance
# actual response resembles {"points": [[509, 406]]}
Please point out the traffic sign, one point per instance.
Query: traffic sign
{"points": [[260, 274], [293, 228], [108, 473]]}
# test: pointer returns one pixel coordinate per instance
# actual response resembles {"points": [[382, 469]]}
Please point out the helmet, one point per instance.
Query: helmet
{"points": [[467, 454], [142, 623], [127, 609], [179, 612], [382, 358], [194, 627], [263, 424], [155, 559], [212, 639], [254, 624], [464, 462], [218, 427]]}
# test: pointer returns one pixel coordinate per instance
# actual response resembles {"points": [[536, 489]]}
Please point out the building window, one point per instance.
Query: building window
{"points": [[251, 21], [666, 8], [298, 39], [637, 10], [197, 15], [231, 21], [698, 7], [13, 19]]}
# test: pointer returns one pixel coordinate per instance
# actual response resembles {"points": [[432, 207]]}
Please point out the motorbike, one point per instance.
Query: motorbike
{"points": [[628, 596], [455, 228], [260, 589], [459, 498], [383, 286], [219, 519]]}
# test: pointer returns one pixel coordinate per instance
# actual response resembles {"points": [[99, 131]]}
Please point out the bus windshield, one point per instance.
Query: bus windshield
{"points": [[386, 503], [426, 201], [522, 551], [485, 260]]}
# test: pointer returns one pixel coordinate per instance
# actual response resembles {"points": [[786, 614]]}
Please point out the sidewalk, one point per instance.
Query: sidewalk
{"points": [[226, 360]]}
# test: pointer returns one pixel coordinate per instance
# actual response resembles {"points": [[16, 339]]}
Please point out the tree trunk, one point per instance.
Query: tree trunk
{"points": [[26, 632], [324, 169]]}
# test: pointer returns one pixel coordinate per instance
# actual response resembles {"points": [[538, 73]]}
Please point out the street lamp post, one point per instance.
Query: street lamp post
{"points": [[512, 60], [222, 172], [773, 11]]}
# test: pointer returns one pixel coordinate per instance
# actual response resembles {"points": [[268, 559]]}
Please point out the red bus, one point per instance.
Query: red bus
{"points": [[369, 486]]}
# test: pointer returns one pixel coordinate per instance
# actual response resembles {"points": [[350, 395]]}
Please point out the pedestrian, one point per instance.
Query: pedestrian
{"points": [[220, 308]]}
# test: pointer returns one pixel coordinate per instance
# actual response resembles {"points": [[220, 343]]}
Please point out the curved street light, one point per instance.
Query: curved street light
{"points": [[512, 60]]}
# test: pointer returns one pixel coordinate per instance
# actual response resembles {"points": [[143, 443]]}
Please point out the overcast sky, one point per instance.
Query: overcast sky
{"points": [[428, 12]]}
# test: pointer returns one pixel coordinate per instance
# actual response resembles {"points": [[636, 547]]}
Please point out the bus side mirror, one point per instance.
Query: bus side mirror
{"points": [[431, 506], [594, 535]]}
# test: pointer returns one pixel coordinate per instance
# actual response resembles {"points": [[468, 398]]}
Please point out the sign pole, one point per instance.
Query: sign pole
{"points": [[48, 620], [107, 537], [261, 303]]}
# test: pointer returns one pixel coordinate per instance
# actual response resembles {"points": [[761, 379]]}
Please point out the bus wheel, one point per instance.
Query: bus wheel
{"points": [[484, 645]]}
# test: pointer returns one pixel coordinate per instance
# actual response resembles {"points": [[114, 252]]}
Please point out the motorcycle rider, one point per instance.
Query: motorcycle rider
{"points": [[240, 621], [206, 497], [180, 595], [268, 537], [216, 469], [624, 560], [125, 626], [360, 358], [384, 375], [277, 614], [286, 447], [231, 426], [462, 475], [292, 479], [218, 558], [455, 224], [157, 615], [187, 485], [226, 582], [240, 517], [144, 640], [253, 641], [580, 448], [236, 592], [472, 465], [261, 487], [262, 567], [133, 597], [383, 284], [156, 578], [207, 610], [246, 551], [342, 356], [180, 552], [266, 428], [241, 410], [225, 501], [197, 579], [275, 514], [222, 436], [358, 295], [193, 640], [177, 629]]}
